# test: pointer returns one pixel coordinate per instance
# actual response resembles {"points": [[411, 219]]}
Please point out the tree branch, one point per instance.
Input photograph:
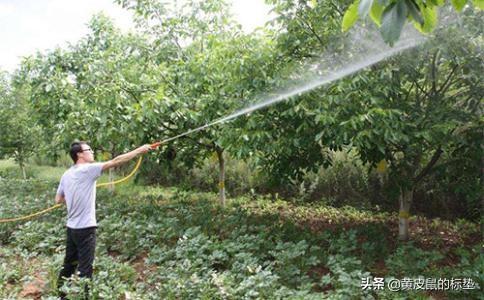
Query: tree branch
{"points": [[434, 73], [131, 93], [447, 82], [312, 31], [421, 89], [429, 166], [171, 85], [409, 91]]}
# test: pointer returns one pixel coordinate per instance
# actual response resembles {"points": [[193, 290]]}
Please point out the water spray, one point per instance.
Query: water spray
{"points": [[318, 81]]}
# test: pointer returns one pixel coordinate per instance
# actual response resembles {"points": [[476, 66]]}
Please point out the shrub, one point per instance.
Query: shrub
{"points": [[411, 261]]}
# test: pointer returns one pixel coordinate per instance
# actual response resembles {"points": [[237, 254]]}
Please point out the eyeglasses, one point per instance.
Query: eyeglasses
{"points": [[88, 149]]}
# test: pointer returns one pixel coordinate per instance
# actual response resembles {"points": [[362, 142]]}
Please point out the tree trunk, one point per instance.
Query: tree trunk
{"points": [[20, 159], [406, 197], [221, 182], [482, 203], [111, 179], [22, 167], [111, 170]]}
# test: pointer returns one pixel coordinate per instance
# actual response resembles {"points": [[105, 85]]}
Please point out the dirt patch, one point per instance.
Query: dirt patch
{"points": [[33, 290], [379, 269], [426, 233], [318, 271], [113, 253], [142, 269], [437, 295]]}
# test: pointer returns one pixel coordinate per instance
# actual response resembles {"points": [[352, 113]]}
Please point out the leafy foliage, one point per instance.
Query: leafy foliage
{"points": [[19, 137], [391, 15]]}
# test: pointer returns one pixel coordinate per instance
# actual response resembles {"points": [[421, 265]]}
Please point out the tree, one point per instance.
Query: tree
{"points": [[19, 137], [112, 75], [94, 89], [281, 137], [209, 68], [412, 112], [113, 90], [413, 119], [391, 15]]}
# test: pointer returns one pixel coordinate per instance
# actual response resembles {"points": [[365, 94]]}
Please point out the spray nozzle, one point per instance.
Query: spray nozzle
{"points": [[155, 145]]}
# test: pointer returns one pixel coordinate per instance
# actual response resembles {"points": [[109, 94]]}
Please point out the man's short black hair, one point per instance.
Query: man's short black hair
{"points": [[76, 148]]}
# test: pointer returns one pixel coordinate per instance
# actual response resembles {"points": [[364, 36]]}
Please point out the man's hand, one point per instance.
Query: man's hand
{"points": [[143, 149], [59, 199]]}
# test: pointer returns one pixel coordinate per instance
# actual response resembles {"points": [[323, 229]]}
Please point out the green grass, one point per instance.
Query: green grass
{"points": [[10, 169], [33, 171], [7, 164]]}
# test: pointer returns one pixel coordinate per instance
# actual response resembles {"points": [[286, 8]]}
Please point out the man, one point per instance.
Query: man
{"points": [[77, 189]]}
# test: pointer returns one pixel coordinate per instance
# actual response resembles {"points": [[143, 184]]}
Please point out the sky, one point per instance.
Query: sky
{"points": [[27, 26]]}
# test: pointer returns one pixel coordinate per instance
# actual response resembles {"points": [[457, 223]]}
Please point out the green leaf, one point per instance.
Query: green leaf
{"points": [[364, 8], [393, 19], [478, 3], [415, 12], [430, 19], [351, 15], [376, 12], [458, 4]]}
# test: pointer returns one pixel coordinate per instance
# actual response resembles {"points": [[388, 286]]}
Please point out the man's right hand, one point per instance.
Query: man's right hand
{"points": [[59, 199], [143, 149]]}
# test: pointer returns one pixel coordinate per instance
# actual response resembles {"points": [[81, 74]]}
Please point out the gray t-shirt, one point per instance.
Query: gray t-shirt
{"points": [[78, 186]]}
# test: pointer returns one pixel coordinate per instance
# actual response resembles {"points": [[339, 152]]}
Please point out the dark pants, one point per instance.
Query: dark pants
{"points": [[80, 248]]}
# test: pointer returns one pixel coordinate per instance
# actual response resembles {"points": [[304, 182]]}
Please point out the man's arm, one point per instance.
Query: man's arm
{"points": [[59, 199], [123, 158]]}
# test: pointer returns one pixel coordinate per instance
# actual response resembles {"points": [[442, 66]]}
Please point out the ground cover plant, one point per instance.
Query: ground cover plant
{"points": [[156, 242]]}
